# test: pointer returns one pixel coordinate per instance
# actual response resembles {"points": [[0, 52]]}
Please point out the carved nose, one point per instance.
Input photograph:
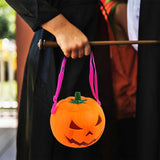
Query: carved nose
{"points": [[89, 133]]}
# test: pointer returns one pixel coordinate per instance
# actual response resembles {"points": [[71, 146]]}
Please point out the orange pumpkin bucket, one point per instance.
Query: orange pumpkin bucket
{"points": [[78, 121]]}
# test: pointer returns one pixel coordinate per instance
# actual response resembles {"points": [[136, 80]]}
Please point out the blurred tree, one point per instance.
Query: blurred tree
{"points": [[3, 27], [7, 21]]}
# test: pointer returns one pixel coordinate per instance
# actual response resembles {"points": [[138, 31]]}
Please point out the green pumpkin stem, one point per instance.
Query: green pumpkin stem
{"points": [[77, 99]]}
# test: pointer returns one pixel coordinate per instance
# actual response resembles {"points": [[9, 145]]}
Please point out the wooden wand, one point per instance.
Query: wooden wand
{"points": [[47, 44]]}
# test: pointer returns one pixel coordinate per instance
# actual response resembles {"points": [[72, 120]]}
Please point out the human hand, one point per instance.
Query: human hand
{"points": [[71, 40]]}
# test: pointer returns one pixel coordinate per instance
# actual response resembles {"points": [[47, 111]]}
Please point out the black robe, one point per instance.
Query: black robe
{"points": [[34, 138], [148, 96]]}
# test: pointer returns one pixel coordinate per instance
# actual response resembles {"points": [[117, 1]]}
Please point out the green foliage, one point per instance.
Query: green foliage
{"points": [[7, 21], [6, 90], [3, 27], [3, 4]]}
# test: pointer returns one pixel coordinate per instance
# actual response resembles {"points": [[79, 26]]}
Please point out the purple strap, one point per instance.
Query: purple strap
{"points": [[60, 80], [92, 80]]}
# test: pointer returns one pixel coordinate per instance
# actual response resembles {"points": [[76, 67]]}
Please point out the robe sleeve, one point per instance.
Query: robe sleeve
{"points": [[35, 12]]}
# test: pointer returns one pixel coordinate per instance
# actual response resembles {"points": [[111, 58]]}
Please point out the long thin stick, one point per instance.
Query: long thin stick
{"points": [[46, 44]]}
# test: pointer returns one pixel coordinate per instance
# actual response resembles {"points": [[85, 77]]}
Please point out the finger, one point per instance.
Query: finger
{"points": [[67, 52], [74, 53], [87, 50], [81, 52]]}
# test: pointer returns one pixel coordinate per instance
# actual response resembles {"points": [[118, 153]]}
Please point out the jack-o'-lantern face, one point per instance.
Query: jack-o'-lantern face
{"points": [[77, 125]]}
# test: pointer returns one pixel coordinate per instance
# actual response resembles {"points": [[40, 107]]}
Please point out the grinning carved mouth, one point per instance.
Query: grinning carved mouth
{"points": [[82, 143]]}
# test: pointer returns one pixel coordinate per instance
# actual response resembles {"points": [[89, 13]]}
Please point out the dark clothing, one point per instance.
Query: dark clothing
{"points": [[35, 12], [148, 97], [34, 139], [126, 139]]}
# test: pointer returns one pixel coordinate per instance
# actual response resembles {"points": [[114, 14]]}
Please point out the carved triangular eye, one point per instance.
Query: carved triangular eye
{"points": [[99, 120], [74, 126]]}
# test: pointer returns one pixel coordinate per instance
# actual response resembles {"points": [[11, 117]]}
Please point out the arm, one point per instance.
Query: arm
{"points": [[39, 13], [116, 17], [120, 22]]}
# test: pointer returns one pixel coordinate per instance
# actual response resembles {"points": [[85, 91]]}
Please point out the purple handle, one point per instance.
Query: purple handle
{"points": [[60, 80], [92, 80]]}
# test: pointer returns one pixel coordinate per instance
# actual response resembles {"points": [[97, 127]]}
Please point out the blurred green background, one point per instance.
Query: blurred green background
{"points": [[7, 32], [7, 21]]}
